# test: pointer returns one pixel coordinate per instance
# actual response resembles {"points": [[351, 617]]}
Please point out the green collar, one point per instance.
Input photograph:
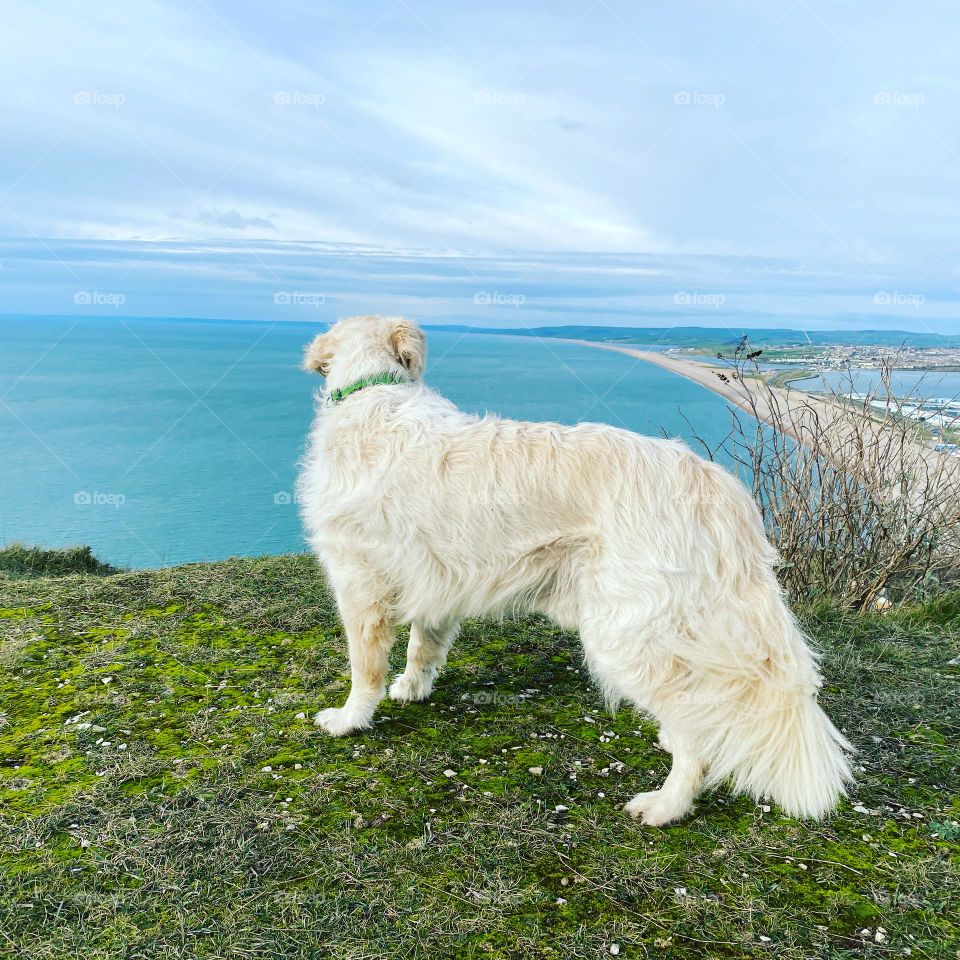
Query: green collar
{"points": [[335, 396]]}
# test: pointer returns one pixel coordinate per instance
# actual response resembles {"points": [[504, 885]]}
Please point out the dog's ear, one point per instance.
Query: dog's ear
{"points": [[317, 356], [410, 346]]}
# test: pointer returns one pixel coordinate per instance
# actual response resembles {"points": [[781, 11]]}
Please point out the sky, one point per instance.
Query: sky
{"points": [[762, 163]]}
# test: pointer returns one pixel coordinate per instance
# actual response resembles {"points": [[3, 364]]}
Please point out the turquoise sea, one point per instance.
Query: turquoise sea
{"points": [[165, 441]]}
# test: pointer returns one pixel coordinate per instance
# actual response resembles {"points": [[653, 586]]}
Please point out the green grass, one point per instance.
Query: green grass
{"points": [[19, 560], [161, 796]]}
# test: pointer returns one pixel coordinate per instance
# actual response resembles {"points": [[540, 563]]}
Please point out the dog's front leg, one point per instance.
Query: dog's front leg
{"points": [[426, 654], [369, 637]]}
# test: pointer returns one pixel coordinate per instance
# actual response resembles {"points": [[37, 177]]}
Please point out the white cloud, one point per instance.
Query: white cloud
{"points": [[816, 133]]}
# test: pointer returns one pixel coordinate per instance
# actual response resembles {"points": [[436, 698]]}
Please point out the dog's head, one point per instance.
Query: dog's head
{"points": [[366, 346]]}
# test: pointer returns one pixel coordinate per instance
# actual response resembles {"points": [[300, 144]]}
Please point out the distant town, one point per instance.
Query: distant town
{"points": [[940, 416], [866, 356]]}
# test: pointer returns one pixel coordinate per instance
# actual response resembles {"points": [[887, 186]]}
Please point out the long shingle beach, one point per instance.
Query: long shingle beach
{"points": [[802, 415]]}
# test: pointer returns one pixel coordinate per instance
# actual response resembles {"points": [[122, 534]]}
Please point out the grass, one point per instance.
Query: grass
{"points": [[19, 560], [162, 794]]}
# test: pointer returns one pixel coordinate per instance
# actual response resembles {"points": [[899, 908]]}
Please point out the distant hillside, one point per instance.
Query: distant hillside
{"points": [[698, 336]]}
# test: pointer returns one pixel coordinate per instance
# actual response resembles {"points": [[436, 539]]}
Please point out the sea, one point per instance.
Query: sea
{"points": [[159, 442], [907, 384]]}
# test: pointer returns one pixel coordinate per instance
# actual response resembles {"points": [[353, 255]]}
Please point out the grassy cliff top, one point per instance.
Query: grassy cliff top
{"points": [[163, 793]]}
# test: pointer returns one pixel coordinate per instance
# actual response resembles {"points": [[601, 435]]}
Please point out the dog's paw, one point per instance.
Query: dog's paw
{"points": [[654, 809], [338, 721], [410, 689]]}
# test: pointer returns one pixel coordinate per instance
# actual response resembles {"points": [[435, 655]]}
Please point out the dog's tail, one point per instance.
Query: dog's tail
{"points": [[762, 728], [772, 739]]}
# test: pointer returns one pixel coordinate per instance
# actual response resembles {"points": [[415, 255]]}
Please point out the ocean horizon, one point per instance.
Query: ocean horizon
{"points": [[161, 441]]}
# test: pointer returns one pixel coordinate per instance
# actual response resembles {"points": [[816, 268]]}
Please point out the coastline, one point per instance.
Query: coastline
{"points": [[706, 374], [801, 415]]}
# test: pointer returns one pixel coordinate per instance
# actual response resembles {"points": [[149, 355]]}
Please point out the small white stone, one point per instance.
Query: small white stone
{"points": [[615, 948], [106, 680], [266, 769], [449, 773], [298, 766], [536, 771], [300, 716]]}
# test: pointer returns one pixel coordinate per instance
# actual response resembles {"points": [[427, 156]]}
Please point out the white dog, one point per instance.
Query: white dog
{"points": [[423, 514]]}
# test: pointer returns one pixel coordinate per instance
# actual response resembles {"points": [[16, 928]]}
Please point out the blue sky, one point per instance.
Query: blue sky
{"points": [[750, 162]]}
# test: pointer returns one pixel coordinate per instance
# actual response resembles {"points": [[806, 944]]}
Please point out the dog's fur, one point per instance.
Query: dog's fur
{"points": [[423, 514]]}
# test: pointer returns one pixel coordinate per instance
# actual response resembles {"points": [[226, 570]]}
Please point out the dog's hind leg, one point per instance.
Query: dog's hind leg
{"points": [[426, 654], [674, 799], [631, 661], [370, 637]]}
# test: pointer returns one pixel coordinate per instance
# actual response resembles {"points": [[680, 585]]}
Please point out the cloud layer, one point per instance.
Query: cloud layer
{"points": [[815, 136], [269, 280]]}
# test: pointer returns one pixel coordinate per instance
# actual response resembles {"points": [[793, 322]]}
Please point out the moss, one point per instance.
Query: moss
{"points": [[160, 796]]}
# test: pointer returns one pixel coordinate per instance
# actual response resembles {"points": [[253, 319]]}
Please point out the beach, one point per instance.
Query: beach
{"points": [[802, 416], [740, 393]]}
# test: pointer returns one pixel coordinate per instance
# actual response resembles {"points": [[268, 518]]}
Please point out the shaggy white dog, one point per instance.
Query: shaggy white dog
{"points": [[423, 514]]}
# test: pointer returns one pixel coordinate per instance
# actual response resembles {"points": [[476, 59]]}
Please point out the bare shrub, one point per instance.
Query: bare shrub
{"points": [[859, 503]]}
